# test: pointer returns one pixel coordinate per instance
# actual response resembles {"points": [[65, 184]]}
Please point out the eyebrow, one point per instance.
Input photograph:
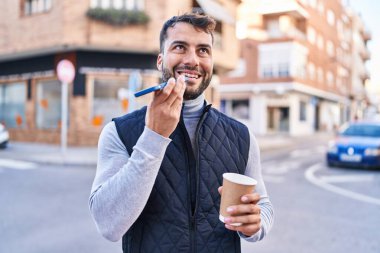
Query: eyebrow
{"points": [[181, 42]]}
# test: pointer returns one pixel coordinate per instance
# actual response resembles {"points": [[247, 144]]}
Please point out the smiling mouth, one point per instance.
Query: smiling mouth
{"points": [[189, 76]]}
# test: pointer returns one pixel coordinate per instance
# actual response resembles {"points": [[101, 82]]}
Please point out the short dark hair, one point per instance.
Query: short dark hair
{"points": [[199, 21]]}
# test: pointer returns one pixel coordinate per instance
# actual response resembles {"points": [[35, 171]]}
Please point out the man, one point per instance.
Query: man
{"points": [[159, 168]]}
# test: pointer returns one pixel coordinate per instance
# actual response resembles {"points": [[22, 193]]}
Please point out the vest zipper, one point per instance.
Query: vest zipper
{"points": [[200, 123], [191, 190], [193, 209], [197, 157]]}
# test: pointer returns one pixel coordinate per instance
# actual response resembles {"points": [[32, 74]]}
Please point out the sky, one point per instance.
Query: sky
{"points": [[369, 10]]}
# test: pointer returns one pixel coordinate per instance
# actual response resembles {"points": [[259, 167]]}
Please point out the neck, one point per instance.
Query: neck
{"points": [[194, 106]]}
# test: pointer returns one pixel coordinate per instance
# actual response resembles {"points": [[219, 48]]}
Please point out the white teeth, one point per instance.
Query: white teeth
{"points": [[191, 76]]}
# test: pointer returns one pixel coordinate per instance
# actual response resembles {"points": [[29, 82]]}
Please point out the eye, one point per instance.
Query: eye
{"points": [[179, 47], [204, 51]]}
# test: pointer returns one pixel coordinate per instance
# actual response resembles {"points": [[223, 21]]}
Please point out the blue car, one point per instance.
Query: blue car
{"points": [[357, 144]]}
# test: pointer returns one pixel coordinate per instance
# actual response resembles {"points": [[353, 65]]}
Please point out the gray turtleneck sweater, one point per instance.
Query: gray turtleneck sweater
{"points": [[123, 183]]}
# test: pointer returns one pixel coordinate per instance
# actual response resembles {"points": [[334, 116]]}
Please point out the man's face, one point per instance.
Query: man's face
{"points": [[188, 52]]}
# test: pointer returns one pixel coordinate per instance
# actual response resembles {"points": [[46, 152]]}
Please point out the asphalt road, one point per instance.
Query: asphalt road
{"points": [[44, 208], [319, 209]]}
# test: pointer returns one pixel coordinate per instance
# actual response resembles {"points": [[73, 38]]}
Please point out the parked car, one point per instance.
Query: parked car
{"points": [[4, 136], [356, 144]]}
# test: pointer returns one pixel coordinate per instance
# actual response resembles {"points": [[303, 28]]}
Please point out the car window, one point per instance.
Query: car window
{"points": [[362, 130]]}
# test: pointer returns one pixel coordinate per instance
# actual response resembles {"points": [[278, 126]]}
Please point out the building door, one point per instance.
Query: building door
{"points": [[284, 119], [278, 119], [316, 118]]}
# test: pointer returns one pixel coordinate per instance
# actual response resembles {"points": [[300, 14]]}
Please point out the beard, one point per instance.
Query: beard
{"points": [[189, 94]]}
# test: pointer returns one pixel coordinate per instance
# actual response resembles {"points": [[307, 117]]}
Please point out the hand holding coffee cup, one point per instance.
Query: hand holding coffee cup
{"points": [[239, 209]]}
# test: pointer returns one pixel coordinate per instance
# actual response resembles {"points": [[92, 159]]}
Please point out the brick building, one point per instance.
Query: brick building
{"points": [[301, 68], [111, 59]]}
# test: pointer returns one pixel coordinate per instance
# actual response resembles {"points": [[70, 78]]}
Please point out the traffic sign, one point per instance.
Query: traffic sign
{"points": [[65, 71]]}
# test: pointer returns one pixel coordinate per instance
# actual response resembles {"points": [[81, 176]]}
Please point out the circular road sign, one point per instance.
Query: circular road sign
{"points": [[65, 71]]}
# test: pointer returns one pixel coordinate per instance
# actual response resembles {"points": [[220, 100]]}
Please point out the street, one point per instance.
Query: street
{"points": [[317, 209]]}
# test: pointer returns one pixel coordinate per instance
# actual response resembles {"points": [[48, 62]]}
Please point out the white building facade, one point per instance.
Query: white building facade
{"points": [[295, 72]]}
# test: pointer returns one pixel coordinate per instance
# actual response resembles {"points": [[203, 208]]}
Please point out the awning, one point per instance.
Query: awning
{"points": [[217, 11]]}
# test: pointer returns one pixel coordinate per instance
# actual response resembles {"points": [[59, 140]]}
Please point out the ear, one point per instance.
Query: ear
{"points": [[159, 61]]}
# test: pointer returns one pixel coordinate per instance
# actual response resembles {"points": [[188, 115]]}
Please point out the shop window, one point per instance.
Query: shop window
{"points": [[302, 111], [111, 99], [36, 6], [240, 109], [118, 4], [12, 104], [48, 104]]}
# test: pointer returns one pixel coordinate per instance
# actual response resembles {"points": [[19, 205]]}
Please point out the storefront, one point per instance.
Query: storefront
{"points": [[291, 109], [30, 94]]}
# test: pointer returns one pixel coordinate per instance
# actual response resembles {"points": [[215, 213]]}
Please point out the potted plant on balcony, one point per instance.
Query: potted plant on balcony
{"points": [[118, 17]]}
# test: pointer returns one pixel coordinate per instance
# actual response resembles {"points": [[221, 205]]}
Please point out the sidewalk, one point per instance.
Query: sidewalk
{"points": [[51, 154]]}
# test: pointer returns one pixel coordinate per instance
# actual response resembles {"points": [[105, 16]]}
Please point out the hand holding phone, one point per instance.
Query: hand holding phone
{"points": [[151, 89], [154, 88]]}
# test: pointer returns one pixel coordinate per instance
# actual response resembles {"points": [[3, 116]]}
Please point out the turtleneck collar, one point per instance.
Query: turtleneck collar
{"points": [[193, 108]]}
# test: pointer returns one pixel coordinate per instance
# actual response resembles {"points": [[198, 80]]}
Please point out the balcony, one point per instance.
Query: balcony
{"points": [[365, 55], [366, 35], [365, 76], [294, 33], [289, 7]]}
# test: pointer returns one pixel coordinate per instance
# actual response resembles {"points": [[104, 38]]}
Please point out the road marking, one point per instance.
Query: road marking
{"points": [[309, 174], [300, 153], [346, 178], [283, 167], [18, 165]]}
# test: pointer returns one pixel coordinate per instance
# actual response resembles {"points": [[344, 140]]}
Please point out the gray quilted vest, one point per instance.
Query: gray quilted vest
{"points": [[182, 212]]}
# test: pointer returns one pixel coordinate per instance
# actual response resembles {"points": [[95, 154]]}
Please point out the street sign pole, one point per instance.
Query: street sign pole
{"points": [[64, 104], [66, 74]]}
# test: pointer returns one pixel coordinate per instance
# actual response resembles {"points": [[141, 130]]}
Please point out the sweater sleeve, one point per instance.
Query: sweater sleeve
{"points": [[254, 170], [123, 183]]}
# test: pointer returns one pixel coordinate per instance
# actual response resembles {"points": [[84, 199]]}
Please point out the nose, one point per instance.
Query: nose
{"points": [[191, 58]]}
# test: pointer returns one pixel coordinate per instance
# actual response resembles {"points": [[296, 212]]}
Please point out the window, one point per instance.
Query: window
{"points": [[320, 42], [273, 28], [330, 78], [330, 48], [48, 104], [311, 70], [218, 38], [36, 6], [302, 111], [240, 109], [283, 70], [321, 8], [330, 17], [311, 35], [313, 3], [111, 99], [118, 4], [320, 75], [267, 71], [12, 104]]}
